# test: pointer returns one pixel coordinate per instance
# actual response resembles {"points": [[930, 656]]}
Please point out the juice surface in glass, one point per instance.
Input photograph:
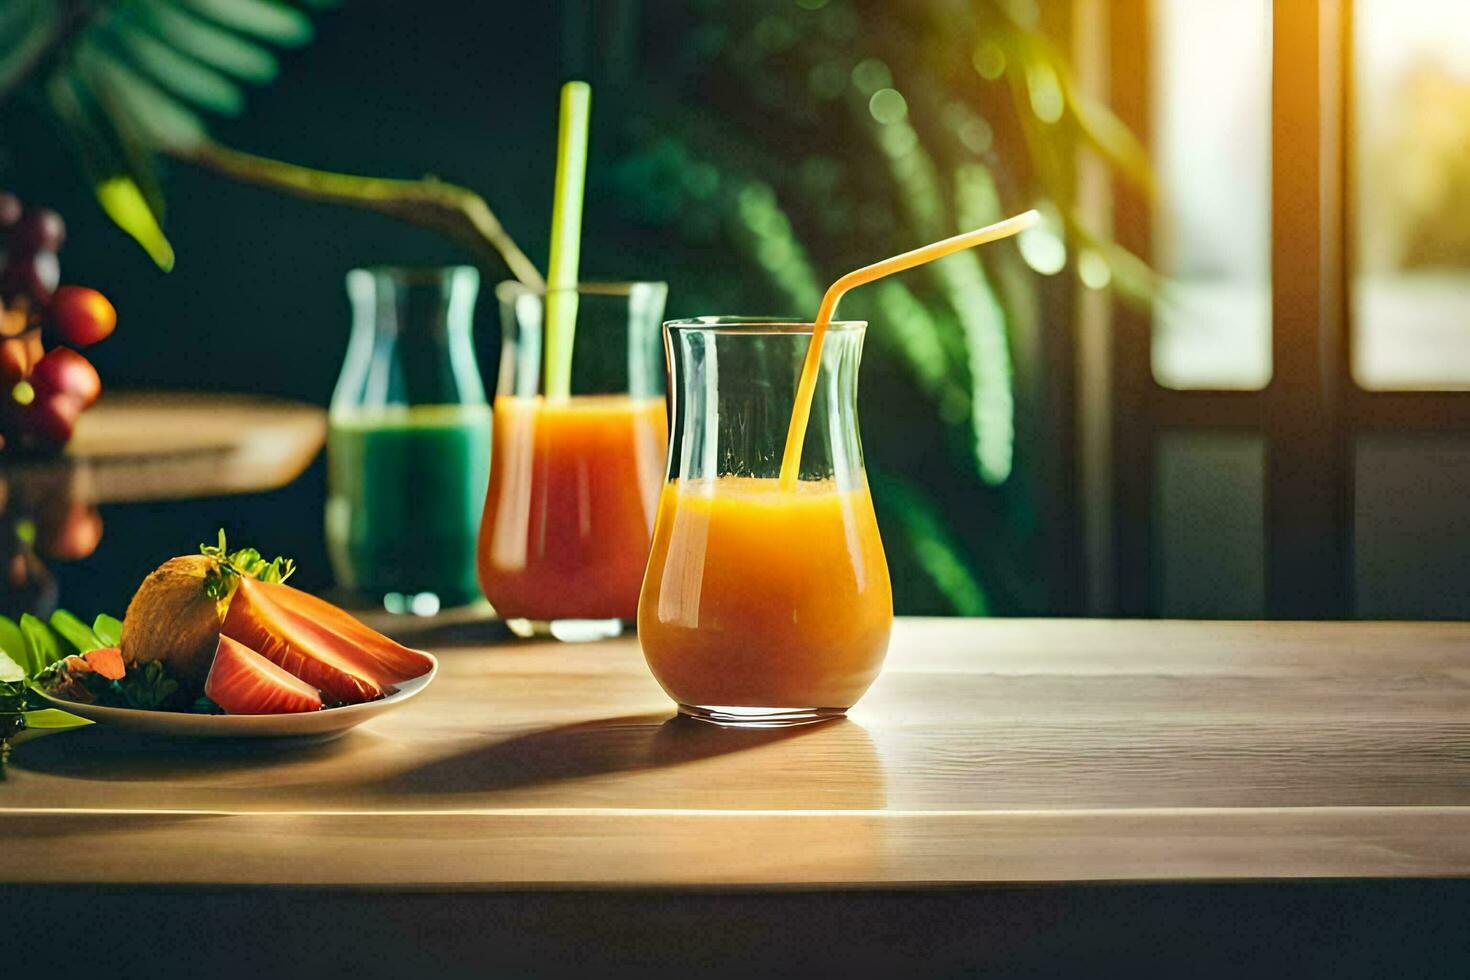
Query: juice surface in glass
{"points": [[405, 486], [758, 596], [569, 514]]}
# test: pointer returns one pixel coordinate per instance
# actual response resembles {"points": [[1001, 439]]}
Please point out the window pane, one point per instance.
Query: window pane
{"points": [[1411, 526], [1212, 230], [1411, 156], [1210, 513]]}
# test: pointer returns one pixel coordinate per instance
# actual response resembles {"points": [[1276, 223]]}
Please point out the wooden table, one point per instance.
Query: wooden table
{"points": [[1066, 778], [167, 445]]}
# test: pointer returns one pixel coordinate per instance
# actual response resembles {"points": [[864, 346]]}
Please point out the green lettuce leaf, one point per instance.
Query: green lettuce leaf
{"points": [[76, 632], [108, 629], [44, 646], [11, 641]]}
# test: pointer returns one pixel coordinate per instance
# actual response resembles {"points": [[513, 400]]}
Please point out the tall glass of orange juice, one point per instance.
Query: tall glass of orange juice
{"points": [[763, 604], [574, 480]]}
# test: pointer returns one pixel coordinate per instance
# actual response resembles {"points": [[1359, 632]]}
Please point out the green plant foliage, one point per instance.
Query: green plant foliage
{"points": [[129, 79], [76, 632], [44, 646], [801, 140], [925, 530], [12, 644], [147, 687], [108, 629], [229, 565], [28, 650]]}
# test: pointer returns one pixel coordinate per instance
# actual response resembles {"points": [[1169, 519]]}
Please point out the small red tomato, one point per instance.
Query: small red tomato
{"points": [[76, 533], [80, 316], [52, 418], [63, 371]]}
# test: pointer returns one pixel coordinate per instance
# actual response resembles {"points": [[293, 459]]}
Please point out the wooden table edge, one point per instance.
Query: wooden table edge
{"points": [[600, 850]]}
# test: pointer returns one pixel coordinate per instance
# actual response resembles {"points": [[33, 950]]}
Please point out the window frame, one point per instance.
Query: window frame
{"points": [[1312, 409]]}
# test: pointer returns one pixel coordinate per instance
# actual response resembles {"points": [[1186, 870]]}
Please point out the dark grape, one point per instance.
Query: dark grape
{"points": [[64, 371], [10, 209], [39, 230], [47, 269], [34, 276], [80, 316]]}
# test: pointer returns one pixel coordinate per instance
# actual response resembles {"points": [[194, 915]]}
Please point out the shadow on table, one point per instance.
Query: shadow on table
{"points": [[592, 748], [103, 753], [381, 767]]}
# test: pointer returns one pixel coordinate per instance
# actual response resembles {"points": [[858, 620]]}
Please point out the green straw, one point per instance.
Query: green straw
{"points": [[566, 237]]}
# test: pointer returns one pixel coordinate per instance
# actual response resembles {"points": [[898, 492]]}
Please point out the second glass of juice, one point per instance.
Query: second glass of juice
{"points": [[574, 481], [408, 451], [764, 604]]}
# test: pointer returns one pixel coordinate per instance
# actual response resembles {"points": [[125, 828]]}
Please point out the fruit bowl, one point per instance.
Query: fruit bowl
{"points": [[305, 725]]}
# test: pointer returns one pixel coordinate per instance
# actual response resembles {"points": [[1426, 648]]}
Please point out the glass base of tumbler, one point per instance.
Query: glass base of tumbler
{"points": [[738, 717], [413, 603], [567, 630]]}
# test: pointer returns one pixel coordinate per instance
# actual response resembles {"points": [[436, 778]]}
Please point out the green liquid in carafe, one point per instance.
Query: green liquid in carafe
{"points": [[405, 490]]}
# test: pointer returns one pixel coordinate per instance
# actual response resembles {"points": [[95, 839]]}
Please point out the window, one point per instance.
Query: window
{"points": [[1303, 455], [1211, 133], [1411, 159]]}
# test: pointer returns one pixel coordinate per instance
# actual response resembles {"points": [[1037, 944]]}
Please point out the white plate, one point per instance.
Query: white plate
{"points": [[316, 725]]}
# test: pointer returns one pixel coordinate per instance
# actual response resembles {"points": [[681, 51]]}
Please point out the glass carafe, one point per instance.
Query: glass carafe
{"points": [[575, 480], [763, 605], [408, 449]]}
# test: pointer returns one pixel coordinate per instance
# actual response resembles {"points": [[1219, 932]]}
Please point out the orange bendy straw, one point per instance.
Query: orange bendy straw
{"points": [[801, 410]]}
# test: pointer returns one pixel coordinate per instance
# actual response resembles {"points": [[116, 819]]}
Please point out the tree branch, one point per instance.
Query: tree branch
{"points": [[431, 203]]}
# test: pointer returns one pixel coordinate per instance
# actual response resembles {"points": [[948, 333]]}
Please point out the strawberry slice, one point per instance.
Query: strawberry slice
{"points": [[319, 643], [242, 682]]}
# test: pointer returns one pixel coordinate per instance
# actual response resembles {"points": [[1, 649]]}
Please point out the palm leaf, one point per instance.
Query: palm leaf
{"points": [[180, 74], [129, 79], [114, 169], [137, 102], [913, 332], [926, 533], [265, 19], [27, 27], [124, 202], [968, 291], [202, 41]]}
